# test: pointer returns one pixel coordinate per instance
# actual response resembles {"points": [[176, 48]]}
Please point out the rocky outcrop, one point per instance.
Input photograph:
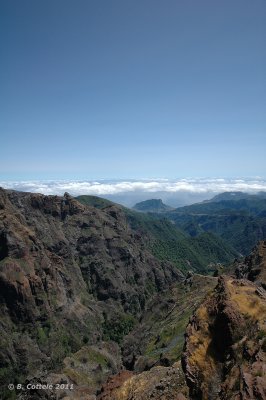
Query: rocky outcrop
{"points": [[164, 383], [253, 267], [225, 347], [65, 270]]}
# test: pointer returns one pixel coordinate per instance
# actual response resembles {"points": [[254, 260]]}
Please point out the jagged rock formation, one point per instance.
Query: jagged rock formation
{"points": [[254, 266], [65, 270], [225, 348]]}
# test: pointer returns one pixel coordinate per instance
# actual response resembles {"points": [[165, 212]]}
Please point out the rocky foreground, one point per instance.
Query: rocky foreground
{"points": [[85, 305]]}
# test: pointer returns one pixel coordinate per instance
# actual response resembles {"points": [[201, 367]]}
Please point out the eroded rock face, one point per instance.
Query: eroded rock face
{"points": [[225, 348], [254, 266], [64, 269]]}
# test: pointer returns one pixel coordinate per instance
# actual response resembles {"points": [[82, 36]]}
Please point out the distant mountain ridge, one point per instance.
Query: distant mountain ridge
{"points": [[237, 196], [236, 217]]}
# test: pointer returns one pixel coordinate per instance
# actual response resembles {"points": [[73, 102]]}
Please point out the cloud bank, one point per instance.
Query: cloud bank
{"points": [[102, 188]]}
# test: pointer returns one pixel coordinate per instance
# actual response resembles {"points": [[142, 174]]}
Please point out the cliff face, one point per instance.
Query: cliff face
{"points": [[254, 266], [225, 346], [153, 348], [65, 271]]}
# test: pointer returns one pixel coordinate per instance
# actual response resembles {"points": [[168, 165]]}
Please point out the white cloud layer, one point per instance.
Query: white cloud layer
{"points": [[103, 188]]}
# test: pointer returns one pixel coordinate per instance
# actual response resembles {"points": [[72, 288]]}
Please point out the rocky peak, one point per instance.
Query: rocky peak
{"points": [[225, 347], [253, 267]]}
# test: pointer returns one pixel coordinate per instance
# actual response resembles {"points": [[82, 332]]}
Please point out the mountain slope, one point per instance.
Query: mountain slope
{"points": [[224, 355], [168, 243], [95, 201], [66, 271], [240, 222]]}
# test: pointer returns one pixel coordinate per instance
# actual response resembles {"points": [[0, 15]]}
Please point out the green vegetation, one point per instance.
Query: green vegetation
{"points": [[170, 338], [241, 223], [41, 336], [7, 375], [261, 334], [90, 366], [169, 243], [118, 327], [239, 219], [161, 333], [94, 201]]}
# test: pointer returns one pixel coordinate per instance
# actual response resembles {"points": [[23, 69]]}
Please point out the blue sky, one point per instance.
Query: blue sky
{"points": [[132, 89]]}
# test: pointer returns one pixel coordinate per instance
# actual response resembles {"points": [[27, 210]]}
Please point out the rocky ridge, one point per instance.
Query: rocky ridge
{"points": [[253, 267], [225, 348]]}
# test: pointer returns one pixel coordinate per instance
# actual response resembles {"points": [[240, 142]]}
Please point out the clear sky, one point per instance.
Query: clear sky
{"points": [[94, 89]]}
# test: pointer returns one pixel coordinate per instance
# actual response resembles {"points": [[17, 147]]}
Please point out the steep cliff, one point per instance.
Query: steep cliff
{"points": [[68, 273], [253, 267], [225, 347]]}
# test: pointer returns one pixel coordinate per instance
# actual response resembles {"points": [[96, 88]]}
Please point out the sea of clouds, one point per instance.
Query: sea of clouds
{"points": [[108, 187]]}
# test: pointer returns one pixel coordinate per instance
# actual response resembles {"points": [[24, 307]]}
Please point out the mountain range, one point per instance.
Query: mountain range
{"points": [[111, 303], [238, 218]]}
